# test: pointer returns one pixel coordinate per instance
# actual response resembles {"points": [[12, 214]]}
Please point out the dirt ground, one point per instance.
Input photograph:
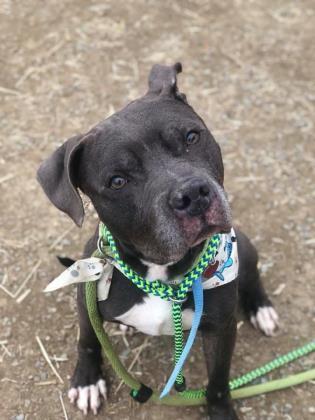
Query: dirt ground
{"points": [[249, 71]]}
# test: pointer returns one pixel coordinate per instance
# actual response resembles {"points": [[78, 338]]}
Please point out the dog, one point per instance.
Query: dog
{"points": [[155, 176]]}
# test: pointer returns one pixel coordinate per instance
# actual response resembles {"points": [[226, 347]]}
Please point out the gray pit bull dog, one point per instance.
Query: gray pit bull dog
{"points": [[154, 174]]}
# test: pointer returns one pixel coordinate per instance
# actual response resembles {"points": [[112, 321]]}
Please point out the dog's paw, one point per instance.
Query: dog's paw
{"points": [[266, 320], [88, 396]]}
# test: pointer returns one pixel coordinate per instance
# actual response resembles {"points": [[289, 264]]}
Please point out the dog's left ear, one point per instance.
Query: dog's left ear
{"points": [[57, 175], [163, 81]]}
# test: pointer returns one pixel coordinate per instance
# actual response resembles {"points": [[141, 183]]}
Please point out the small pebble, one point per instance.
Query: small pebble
{"points": [[246, 409], [287, 408]]}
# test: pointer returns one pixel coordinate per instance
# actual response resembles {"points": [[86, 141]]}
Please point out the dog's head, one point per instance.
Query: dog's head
{"points": [[153, 172]]}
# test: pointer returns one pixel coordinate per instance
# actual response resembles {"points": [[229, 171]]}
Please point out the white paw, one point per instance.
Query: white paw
{"points": [[88, 396], [266, 319]]}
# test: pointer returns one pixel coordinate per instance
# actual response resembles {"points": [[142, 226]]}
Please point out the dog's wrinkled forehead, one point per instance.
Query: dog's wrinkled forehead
{"points": [[163, 105]]}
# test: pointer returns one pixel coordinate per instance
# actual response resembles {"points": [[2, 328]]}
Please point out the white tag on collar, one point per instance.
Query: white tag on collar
{"points": [[89, 269]]}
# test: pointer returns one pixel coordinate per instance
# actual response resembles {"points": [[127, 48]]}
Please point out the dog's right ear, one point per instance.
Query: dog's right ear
{"points": [[58, 174], [163, 79]]}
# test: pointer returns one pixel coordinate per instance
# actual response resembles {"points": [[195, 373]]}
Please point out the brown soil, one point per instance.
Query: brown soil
{"points": [[249, 71]]}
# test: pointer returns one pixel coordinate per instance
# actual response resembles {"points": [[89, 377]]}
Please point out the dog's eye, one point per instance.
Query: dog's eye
{"points": [[117, 182], [192, 137]]}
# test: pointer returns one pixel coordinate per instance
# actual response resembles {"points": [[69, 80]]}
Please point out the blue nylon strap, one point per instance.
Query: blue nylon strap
{"points": [[198, 300]]}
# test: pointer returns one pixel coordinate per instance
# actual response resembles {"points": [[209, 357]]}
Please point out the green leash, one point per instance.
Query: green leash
{"points": [[198, 396], [142, 393]]}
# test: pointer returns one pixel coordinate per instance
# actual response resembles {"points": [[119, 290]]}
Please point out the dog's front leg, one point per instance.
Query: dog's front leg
{"points": [[87, 383], [218, 348]]}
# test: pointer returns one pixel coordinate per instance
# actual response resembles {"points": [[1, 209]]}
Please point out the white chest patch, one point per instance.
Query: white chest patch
{"points": [[154, 317], [156, 271]]}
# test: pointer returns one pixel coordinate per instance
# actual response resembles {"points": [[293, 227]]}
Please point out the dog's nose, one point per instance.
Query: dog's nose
{"points": [[192, 197]]}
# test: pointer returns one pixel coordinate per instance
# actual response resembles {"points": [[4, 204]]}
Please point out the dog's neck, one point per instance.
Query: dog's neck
{"points": [[152, 271]]}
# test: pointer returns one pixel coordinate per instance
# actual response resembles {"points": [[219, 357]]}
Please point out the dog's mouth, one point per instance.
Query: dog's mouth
{"points": [[196, 229], [208, 231], [195, 236], [193, 231]]}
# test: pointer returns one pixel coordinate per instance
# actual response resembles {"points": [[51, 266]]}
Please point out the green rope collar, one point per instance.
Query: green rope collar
{"points": [[157, 288], [175, 294]]}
